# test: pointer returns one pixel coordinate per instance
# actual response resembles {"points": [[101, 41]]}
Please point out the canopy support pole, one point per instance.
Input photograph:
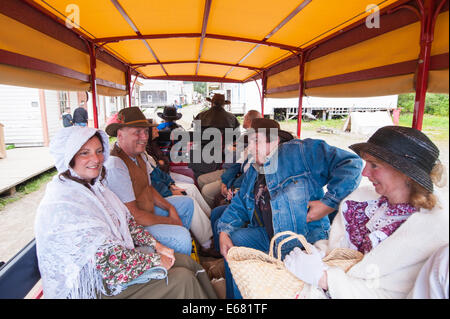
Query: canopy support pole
{"points": [[301, 91], [93, 64], [428, 17], [262, 94], [128, 85], [134, 82], [264, 90]]}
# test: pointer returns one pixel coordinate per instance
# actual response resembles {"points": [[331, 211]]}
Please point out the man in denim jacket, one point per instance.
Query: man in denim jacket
{"points": [[283, 190]]}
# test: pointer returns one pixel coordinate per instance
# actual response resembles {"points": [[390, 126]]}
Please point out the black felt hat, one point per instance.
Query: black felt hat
{"points": [[406, 149], [170, 114]]}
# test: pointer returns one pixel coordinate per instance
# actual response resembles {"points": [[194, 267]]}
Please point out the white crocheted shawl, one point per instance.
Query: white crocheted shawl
{"points": [[72, 222]]}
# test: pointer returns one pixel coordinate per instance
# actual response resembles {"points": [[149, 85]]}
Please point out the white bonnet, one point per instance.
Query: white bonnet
{"points": [[68, 141]]}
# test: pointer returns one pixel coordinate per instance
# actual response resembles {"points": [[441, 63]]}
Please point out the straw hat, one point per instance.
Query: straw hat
{"points": [[406, 149], [128, 117]]}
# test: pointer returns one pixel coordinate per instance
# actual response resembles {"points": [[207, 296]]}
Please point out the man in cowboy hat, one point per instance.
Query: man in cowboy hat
{"points": [[283, 190], [128, 176], [216, 117], [169, 115]]}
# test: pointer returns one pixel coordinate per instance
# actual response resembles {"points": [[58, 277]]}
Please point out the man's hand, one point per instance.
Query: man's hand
{"points": [[225, 244], [224, 190], [230, 194], [173, 214], [317, 210]]}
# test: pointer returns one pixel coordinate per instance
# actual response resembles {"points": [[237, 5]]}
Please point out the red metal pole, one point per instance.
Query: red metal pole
{"points": [[93, 64], [301, 91], [128, 85], [264, 90], [429, 13]]}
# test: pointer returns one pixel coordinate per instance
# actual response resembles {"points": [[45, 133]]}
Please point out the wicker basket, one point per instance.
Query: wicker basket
{"points": [[261, 276]]}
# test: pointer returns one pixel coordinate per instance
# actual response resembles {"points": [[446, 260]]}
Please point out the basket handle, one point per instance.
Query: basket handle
{"points": [[293, 235]]}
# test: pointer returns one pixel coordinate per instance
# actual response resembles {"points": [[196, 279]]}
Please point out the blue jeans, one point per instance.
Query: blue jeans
{"points": [[173, 236], [80, 124], [216, 213], [255, 237]]}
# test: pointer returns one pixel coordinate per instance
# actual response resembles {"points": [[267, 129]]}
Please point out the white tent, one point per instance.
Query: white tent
{"points": [[366, 123]]}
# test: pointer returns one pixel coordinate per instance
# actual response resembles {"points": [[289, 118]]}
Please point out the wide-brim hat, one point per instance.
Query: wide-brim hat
{"points": [[218, 99], [170, 114], [406, 149], [267, 126], [128, 117]]}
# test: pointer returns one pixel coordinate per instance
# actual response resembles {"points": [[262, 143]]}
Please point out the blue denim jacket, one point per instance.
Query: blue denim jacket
{"points": [[161, 181], [303, 168]]}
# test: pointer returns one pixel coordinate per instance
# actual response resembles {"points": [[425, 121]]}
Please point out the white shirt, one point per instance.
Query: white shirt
{"points": [[118, 177]]}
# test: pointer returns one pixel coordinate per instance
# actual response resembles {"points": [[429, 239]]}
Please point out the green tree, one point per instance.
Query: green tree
{"points": [[200, 87], [435, 104]]}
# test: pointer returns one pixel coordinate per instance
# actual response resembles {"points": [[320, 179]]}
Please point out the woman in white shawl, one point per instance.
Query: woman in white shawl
{"points": [[88, 244], [396, 232]]}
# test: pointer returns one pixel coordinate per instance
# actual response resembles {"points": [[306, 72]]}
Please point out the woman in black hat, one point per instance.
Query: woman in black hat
{"points": [[396, 229]]}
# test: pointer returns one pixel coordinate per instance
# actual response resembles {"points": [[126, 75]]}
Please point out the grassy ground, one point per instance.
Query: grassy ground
{"points": [[433, 125], [27, 187]]}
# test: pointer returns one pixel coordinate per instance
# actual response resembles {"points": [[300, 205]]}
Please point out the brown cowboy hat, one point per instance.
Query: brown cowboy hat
{"points": [[218, 99], [128, 117]]}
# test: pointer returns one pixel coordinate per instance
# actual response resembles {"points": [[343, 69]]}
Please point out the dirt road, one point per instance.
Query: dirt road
{"points": [[17, 219]]}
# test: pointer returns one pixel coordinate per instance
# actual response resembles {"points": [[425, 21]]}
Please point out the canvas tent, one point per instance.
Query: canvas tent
{"points": [[366, 123], [326, 48]]}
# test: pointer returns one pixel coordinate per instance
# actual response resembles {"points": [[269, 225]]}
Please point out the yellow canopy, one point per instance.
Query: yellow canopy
{"points": [[354, 47]]}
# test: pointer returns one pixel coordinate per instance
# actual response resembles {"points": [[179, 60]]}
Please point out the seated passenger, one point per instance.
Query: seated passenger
{"points": [[167, 186], [283, 190], [397, 231], [162, 160], [164, 139], [88, 244], [215, 117], [129, 178], [169, 115], [211, 184], [233, 178]]}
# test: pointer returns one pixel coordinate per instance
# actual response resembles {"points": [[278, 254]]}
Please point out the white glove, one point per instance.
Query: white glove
{"points": [[308, 268]]}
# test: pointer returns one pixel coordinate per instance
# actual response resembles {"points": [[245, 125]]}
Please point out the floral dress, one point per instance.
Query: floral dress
{"points": [[119, 265], [369, 223]]}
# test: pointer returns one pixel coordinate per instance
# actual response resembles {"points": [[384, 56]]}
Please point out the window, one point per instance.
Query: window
{"points": [[158, 98], [63, 101]]}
